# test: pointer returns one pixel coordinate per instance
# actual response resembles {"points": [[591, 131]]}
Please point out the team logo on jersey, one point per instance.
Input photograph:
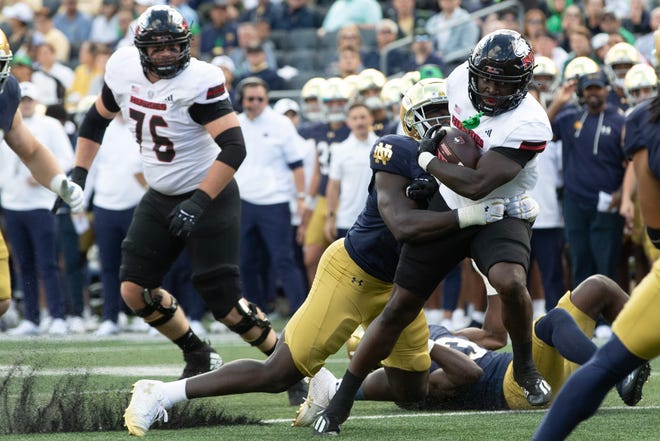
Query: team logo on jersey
{"points": [[382, 153]]}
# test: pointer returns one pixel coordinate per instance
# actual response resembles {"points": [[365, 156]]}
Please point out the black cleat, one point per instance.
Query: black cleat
{"points": [[537, 391], [326, 425], [203, 360], [630, 388], [297, 393]]}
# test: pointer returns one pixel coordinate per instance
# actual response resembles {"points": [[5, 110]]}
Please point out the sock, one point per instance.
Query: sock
{"points": [[558, 329], [189, 342], [341, 404], [522, 359], [175, 391]]}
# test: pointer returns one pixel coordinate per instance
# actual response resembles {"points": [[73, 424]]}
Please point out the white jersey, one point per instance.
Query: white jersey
{"points": [[176, 151], [526, 128]]}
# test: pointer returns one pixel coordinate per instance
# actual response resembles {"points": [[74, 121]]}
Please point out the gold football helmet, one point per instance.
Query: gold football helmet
{"points": [[5, 59], [580, 66], [423, 106], [335, 96], [411, 77], [640, 83], [656, 37], [618, 61], [369, 86], [310, 95], [546, 77], [392, 91]]}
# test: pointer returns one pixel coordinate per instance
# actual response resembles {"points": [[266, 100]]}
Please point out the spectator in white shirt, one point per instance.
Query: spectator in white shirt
{"points": [[265, 181], [350, 173]]}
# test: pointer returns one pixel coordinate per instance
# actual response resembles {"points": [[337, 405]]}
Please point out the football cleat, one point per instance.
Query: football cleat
{"points": [[326, 425], [148, 405], [203, 360], [297, 393], [630, 388], [537, 391], [320, 387]]}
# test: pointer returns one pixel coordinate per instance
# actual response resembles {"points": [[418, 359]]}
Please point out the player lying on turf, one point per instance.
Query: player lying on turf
{"points": [[466, 376], [353, 281]]}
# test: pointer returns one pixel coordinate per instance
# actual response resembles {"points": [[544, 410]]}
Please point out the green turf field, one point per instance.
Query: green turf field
{"points": [[92, 378]]}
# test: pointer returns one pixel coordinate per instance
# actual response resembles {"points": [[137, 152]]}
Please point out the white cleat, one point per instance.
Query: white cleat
{"points": [[322, 387], [148, 405]]}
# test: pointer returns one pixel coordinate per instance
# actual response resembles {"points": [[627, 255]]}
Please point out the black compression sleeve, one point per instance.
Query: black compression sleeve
{"points": [[109, 99], [522, 157], [94, 125], [205, 113], [232, 147]]}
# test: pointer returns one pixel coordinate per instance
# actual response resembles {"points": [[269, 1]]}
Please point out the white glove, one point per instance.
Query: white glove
{"points": [[70, 192], [485, 212], [523, 207]]}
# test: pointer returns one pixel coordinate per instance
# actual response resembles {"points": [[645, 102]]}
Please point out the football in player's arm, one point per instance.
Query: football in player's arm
{"points": [[351, 286]]}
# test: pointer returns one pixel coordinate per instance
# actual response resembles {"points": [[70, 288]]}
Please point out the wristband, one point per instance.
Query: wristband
{"points": [[301, 195], [424, 158], [310, 201]]}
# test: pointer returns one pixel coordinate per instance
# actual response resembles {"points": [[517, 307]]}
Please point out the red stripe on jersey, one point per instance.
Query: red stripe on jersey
{"points": [[148, 104], [534, 146], [215, 91]]}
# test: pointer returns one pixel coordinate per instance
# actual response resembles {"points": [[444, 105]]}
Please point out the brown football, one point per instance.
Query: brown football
{"points": [[458, 148]]}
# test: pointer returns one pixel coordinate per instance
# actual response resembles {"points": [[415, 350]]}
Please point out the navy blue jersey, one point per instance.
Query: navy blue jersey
{"points": [[325, 137], [641, 133], [369, 242], [10, 97], [487, 393], [593, 157]]}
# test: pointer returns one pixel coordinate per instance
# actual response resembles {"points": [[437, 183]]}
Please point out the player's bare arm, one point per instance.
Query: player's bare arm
{"points": [[457, 371], [401, 215], [493, 170], [33, 154], [648, 189]]}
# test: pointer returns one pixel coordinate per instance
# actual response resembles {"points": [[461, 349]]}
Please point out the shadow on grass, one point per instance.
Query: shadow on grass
{"points": [[71, 406]]}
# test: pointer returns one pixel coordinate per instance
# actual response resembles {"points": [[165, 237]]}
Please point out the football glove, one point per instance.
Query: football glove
{"points": [[68, 193], [422, 189], [187, 213], [485, 212], [523, 207], [428, 146], [78, 176]]}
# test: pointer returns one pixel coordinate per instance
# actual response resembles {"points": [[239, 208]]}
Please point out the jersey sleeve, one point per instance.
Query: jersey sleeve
{"points": [[395, 154], [117, 65], [10, 97], [530, 136], [212, 84]]}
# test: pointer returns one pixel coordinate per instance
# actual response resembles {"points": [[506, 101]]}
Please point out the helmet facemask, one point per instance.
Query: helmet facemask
{"points": [[505, 57], [161, 26]]}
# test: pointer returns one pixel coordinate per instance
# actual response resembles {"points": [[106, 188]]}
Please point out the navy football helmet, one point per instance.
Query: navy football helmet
{"points": [[502, 56], [162, 26]]}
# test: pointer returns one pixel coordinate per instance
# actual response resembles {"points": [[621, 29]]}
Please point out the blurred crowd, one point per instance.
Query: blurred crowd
{"points": [[594, 62]]}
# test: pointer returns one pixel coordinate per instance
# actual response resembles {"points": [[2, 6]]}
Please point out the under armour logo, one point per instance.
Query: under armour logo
{"points": [[355, 280]]}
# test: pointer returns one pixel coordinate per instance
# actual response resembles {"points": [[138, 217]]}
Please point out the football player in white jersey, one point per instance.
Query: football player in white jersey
{"points": [[191, 144], [487, 99], [38, 159]]}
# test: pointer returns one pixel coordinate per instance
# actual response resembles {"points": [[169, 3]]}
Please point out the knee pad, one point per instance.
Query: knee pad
{"points": [[220, 289], [152, 300], [250, 320]]}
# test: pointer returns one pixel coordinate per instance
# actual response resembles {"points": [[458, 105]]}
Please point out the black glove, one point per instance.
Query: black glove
{"points": [[431, 141], [78, 175], [185, 215], [422, 189]]}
